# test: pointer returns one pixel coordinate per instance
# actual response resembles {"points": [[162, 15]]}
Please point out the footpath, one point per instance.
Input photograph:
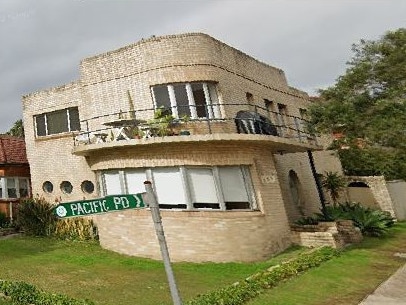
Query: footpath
{"points": [[391, 292]]}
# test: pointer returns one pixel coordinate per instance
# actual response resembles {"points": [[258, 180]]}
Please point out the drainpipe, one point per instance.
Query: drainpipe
{"points": [[318, 184]]}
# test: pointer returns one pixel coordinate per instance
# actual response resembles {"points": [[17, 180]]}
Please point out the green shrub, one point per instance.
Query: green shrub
{"points": [[370, 222], [35, 217], [76, 229], [309, 220], [241, 292], [3, 220], [22, 293]]}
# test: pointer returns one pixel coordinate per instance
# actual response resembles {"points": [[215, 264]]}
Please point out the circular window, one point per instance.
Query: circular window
{"points": [[87, 187], [48, 187], [66, 187]]}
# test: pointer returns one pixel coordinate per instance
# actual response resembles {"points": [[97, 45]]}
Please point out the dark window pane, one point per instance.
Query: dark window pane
{"points": [[23, 183], [200, 99], [87, 187], [237, 205], [181, 99], [66, 187], [11, 188], [74, 119], [162, 97], [57, 121], [48, 187], [40, 125]]}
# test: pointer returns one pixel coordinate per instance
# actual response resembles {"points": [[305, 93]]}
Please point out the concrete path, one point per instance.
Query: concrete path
{"points": [[391, 292]]}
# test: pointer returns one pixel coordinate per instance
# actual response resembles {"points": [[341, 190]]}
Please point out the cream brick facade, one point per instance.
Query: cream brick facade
{"points": [[193, 235]]}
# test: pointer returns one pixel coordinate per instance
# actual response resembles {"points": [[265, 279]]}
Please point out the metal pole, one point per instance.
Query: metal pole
{"points": [[156, 217], [11, 212], [318, 184]]}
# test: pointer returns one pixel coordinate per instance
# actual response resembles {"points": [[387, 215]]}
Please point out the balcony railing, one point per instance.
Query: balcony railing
{"points": [[147, 123]]}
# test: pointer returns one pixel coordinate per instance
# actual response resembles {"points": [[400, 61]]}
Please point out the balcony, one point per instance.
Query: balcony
{"points": [[254, 124]]}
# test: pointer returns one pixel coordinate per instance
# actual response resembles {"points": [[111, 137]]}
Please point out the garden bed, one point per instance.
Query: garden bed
{"points": [[335, 234]]}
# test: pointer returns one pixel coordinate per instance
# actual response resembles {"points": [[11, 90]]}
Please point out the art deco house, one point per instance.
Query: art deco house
{"points": [[14, 174], [220, 135]]}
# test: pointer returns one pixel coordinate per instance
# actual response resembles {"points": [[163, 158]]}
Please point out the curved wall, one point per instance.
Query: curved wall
{"points": [[200, 235]]}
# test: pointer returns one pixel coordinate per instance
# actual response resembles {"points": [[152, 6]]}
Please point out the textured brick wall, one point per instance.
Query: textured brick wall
{"points": [[197, 235], [51, 157], [102, 89]]}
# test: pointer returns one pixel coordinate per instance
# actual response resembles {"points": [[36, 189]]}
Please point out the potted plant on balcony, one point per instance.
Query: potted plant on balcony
{"points": [[163, 122], [184, 120]]}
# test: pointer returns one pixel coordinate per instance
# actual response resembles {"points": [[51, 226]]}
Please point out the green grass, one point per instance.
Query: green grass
{"points": [[84, 270], [346, 279]]}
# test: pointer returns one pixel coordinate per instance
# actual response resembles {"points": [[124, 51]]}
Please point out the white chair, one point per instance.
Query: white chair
{"points": [[86, 138]]}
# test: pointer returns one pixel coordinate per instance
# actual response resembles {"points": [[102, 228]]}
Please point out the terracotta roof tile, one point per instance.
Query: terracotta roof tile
{"points": [[12, 150]]}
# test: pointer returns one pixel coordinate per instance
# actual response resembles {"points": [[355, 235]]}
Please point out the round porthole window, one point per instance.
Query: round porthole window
{"points": [[87, 187], [48, 187], [66, 187]]}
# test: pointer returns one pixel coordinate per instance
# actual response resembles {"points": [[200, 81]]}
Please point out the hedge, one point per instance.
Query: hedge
{"points": [[21, 293], [241, 292]]}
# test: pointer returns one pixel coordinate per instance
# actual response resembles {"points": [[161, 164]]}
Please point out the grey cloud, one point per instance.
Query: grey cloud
{"points": [[43, 41]]}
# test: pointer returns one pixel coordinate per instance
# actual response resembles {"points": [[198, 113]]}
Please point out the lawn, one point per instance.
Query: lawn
{"points": [[84, 270], [344, 280]]}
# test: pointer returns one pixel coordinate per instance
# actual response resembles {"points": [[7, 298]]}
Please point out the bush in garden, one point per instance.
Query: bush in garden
{"points": [[371, 222], [75, 229], [3, 220], [21, 293], [35, 217]]}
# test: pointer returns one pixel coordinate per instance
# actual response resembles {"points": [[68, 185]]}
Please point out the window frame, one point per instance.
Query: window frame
{"points": [[72, 121], [211, 100], [184, 173], [5, 188]]}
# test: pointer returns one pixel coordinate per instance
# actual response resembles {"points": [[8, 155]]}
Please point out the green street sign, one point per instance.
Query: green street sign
{"points": [[106, 204]]}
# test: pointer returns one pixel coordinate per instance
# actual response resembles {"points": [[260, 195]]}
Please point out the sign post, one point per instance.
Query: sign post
{"points": [[156, 217], [113, 203]]}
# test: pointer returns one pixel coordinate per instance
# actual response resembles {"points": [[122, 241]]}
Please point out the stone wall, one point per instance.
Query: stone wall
{"points": [[334, 234], [378, 187]]}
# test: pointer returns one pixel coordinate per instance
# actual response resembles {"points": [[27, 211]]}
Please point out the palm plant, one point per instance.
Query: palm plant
{"points": [[334, 183]]}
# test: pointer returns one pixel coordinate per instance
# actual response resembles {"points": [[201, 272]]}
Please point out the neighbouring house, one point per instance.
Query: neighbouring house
{"points": [[221, 136], [14, 174]]}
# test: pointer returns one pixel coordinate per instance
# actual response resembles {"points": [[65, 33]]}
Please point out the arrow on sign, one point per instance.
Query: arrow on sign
{"points": [[106, 204]]}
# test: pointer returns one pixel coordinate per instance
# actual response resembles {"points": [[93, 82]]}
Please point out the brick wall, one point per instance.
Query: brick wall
{"points": [[102, 89]]}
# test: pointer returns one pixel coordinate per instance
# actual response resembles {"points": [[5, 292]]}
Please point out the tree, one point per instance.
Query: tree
{"points": [[368, 103], [17, 130]]}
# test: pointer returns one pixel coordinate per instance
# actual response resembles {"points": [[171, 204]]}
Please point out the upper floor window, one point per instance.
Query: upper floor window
{"points": [[196, 100], [14, 187], [59, 121]]}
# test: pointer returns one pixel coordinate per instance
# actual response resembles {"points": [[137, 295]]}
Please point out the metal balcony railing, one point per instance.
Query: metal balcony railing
{"points": [[183, 120]]}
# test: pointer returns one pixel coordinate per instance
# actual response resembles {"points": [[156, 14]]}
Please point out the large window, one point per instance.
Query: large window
{"points": [[196, 100], [14, 187], [212, 188], [65, 120]]}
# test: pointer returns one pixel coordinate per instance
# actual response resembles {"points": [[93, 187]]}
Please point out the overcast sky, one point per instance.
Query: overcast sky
{"points": [[42, 41]]}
